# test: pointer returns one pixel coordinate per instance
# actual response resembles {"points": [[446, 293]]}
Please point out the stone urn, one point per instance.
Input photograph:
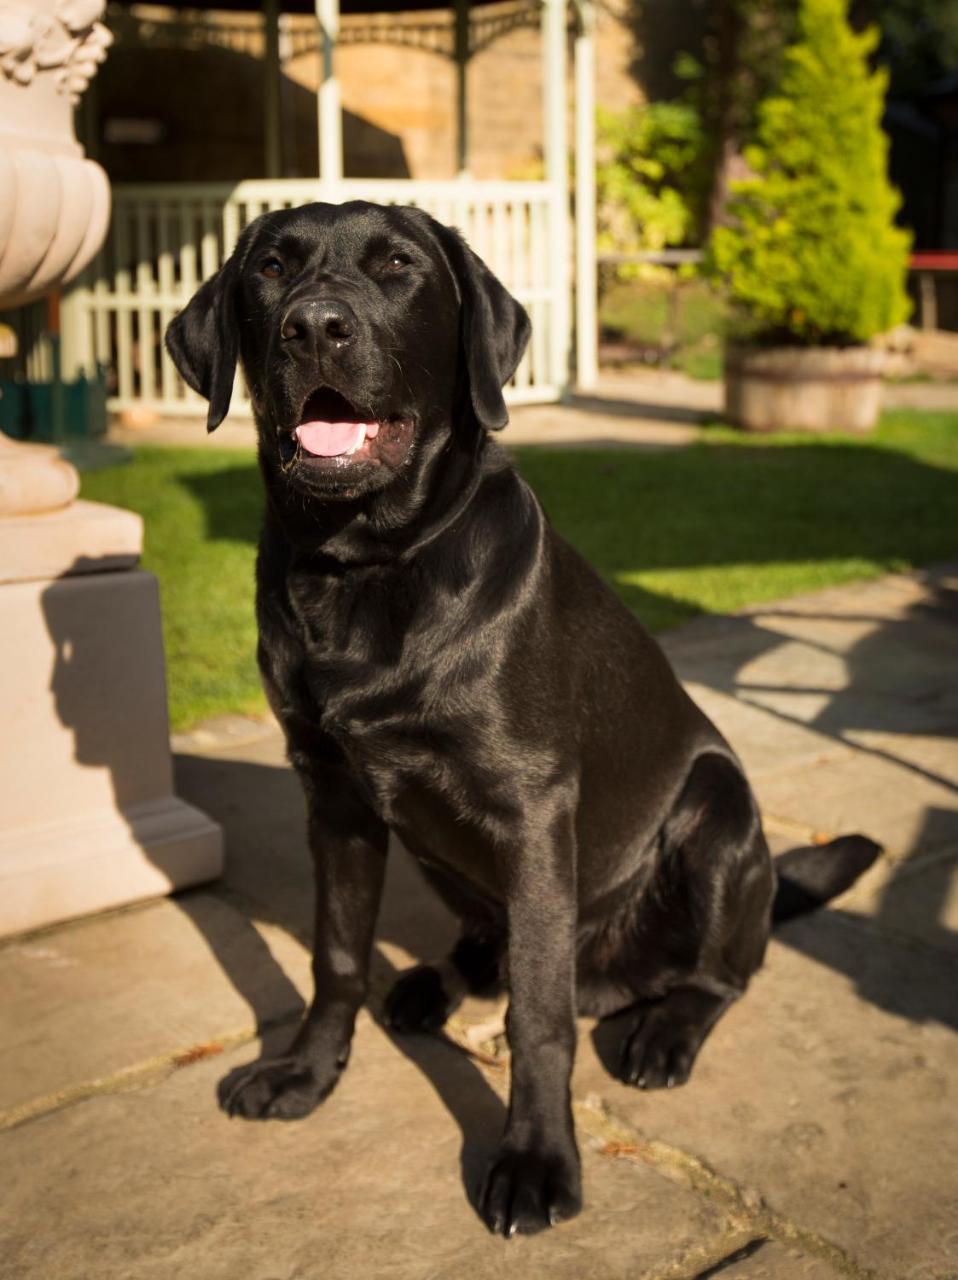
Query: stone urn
{"points": [[54, 203], [88, 818], [779, 388]]}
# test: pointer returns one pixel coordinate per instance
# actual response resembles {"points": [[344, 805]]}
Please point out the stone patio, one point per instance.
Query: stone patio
{"points": [[817, 1138]]}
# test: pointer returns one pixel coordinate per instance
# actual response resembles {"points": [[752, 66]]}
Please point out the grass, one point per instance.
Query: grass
{"points": [[201, 510], [734, 520], [676, 323]]}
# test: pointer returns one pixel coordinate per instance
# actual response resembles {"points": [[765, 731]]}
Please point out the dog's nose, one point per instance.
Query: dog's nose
{"points": [[319, 320]]}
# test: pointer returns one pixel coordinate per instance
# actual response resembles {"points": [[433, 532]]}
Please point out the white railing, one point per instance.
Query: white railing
{"points": [[166, 239]]}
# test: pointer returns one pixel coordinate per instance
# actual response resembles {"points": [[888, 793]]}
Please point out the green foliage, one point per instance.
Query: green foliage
{"points": [[811, 254], [650, 176], [672, 321], [641, 311]]}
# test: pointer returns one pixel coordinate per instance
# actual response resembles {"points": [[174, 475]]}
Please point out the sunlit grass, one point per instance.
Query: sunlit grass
{"points": [[734, 520]]}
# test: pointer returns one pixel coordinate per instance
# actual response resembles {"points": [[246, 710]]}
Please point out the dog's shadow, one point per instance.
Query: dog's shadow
{"points": [[269, 877]]}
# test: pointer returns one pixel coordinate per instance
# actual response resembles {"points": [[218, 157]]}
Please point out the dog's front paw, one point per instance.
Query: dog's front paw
{"points": [[274, 1089], [418, 1001], [528, 1191]]}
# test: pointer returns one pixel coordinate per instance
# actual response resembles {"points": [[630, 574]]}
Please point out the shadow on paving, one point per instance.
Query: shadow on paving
{"points": [[261, 810], [268, 868], [899, 685], [614, 407], [749, 488]]}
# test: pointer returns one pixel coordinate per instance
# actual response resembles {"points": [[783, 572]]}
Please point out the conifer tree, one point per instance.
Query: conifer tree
{"points": [[811, 253]]}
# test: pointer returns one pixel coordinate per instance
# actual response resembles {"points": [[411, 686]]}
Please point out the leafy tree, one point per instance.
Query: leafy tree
{"points": [[811, 253], [651, 177]]}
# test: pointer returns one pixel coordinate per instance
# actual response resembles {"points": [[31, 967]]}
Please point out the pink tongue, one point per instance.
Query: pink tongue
{"points": [[329, 439]]}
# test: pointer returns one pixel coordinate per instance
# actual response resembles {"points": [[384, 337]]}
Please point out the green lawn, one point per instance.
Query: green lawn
{"points": [[684, 315], [732, 521]]}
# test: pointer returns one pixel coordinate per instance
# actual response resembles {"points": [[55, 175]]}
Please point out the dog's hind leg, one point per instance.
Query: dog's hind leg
{"points": [[422, 998], [705, 917]]}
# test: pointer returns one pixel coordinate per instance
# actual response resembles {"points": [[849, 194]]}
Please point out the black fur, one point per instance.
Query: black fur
{"points": [[445, 665]]}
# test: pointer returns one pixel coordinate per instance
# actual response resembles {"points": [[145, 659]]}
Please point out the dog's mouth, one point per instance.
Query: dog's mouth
{"points": [[331, 426], [333, 433]]}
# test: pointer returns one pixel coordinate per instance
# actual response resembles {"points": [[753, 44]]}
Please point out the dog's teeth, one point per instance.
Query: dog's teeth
{"points": [[356, 447]]}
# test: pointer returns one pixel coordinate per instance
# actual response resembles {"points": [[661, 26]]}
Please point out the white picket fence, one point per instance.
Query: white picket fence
{"points": [[165, 239]]}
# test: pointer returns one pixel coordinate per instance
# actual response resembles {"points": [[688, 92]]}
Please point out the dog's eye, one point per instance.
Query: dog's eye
{"points": [[272, 268], [394, 263]]}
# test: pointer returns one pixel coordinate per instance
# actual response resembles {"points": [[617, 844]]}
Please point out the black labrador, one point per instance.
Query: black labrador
{"points": [[446, 666]]}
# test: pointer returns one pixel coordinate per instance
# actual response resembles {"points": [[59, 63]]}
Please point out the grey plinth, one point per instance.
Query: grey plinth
{"points": [[88, 818]]}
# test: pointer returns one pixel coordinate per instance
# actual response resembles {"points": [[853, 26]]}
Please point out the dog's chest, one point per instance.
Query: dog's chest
{"points": [[371, 676]]}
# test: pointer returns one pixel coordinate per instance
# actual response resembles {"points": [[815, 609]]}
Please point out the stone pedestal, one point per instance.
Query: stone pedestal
{"points": [[88, 818]]}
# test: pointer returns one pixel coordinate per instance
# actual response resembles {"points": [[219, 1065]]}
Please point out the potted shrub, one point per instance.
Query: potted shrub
{"points": [[811, 260]]}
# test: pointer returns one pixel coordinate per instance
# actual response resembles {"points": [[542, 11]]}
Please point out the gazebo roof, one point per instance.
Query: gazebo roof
{"points": [[307, 6]]}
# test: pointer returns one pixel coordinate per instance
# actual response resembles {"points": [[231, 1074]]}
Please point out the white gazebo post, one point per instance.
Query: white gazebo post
{"points": [[586, 282], [328, 99], [271, 91], [556, 152]]}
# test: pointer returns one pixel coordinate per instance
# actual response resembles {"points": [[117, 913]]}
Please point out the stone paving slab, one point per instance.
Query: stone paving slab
{"points": [[904, 811], [890, 630], [843, 704], [932, 755], [825, 1133], [827, 1094], [916, 900], [765, 744], [159, 1183], [827, 1089], [774, 1262], [256, 797], [84, 1002]]}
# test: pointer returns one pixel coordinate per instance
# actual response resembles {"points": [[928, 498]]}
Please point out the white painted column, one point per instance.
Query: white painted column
{"points": [[271, 99], [329, 104], [586, 276], [556, 153]]}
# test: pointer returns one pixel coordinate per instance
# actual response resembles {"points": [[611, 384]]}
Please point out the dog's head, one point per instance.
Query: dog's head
{"points": [[367, 335]]}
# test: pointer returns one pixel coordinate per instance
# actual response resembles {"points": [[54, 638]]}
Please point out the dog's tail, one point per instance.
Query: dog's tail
{"points": [[810, 877]]}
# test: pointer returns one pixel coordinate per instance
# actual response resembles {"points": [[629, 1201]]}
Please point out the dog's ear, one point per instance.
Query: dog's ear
{"points": [[203, 339], [493, 334]]}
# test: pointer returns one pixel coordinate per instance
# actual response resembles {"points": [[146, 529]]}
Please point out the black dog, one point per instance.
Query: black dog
{"points": [[445, 665]]}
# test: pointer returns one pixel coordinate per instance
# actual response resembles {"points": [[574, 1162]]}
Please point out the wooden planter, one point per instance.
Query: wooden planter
{"points": [[803, 388]]}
